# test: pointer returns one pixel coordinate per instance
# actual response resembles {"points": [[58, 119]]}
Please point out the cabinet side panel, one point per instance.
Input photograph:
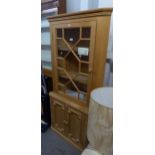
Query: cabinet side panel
{"points": [[102, 36], [54, 55]]}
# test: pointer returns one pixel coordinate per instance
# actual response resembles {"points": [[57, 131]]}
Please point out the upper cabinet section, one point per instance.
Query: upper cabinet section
{"points": [[79, 49]]}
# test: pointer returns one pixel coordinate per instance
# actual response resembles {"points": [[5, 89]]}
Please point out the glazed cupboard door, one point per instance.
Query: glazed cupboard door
{"points": [[58, 115], [74, 50]]}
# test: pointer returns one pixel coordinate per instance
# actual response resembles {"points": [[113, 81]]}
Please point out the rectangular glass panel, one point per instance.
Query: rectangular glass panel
{"points": [[86, 32], [72, 35], [82, 50], [59, 33], [84, 68]]}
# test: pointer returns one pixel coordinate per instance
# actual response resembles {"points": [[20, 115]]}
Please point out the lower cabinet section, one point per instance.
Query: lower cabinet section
{"points": [[69, 122]]}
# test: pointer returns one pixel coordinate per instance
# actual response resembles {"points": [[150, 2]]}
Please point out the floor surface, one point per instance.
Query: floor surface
{"points": [[53, 144]]}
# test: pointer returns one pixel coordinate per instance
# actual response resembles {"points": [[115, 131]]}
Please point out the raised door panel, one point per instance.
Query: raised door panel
{"points": [[73, 50], [58, 111], [75, 125]]}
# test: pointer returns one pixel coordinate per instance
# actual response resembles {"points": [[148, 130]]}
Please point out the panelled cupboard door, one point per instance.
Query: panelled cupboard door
{"points": [[58, 115], [69, 122], [75, 125], [73, 53]]}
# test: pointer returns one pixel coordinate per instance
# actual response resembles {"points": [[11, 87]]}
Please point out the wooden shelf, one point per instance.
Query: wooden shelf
{"points": [[85, 39], [85, 62], [60, 58], [59, 38], [82, 78]]}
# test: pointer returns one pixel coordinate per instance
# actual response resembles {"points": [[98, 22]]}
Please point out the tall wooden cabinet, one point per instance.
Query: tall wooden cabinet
{"points": [[79, 49]]}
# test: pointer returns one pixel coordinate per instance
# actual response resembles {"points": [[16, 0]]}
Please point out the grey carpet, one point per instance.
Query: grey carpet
{"points": [[53, 144]]}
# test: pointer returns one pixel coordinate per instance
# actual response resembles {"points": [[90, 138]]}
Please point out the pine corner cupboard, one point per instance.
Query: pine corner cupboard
{"points": [[79, 49]]}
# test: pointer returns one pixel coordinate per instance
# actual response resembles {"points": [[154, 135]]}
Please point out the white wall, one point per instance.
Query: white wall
{"points": [[78, 5], [92, 4], [84, 5], [105, 3], [73, 5]]}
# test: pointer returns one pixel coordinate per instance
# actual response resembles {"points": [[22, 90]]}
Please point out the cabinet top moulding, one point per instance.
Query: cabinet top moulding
{"points": [[82, 14]]}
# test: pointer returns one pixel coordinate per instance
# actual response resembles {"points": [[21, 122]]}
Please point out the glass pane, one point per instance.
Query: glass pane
{"points": [[82, 86], [59, 33], [72, 35], [63, 50], [61, 63], [83, 96], [72, 64], [66, 86], [72, 85], [84, 68], [82, 50], [86, 32]]}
